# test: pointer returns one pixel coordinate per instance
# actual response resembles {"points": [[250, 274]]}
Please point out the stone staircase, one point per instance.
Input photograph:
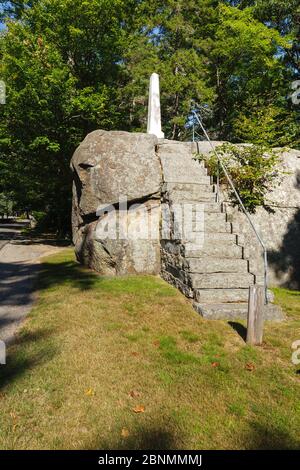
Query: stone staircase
{"points": [[201, 254]]}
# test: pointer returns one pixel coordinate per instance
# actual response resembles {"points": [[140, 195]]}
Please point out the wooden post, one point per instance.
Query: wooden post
{"points": [[255, 315]]}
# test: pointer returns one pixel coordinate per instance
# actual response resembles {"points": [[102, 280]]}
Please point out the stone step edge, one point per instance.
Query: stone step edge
{"points": [[188, 183], [241, 290], [230, 311], [196, 255], [188, 272]]}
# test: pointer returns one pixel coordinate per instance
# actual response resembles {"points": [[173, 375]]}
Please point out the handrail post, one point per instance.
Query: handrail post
{"points": [[266, 275], [218, 181]]}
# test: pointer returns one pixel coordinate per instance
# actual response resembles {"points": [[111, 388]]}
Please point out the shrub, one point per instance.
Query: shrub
{"points": [[254, 170]]}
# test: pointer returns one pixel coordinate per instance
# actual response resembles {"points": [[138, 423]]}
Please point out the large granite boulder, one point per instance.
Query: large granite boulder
{"points": [[109, 168]]}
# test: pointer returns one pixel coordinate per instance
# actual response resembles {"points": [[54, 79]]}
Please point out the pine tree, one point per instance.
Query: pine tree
{"points": [[206, 52], [172, 38]]}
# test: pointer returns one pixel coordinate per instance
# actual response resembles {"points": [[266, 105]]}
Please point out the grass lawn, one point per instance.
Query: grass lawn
{"points": [[126, 363]]}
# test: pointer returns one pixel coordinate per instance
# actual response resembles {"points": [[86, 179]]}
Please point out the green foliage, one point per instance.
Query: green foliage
{"points": [[59, 64], [247, 73], [6, 204], [73, 66], [254, 170], [284, 17], [38, 215], [218, 56], [268, 125], [173, 43]]}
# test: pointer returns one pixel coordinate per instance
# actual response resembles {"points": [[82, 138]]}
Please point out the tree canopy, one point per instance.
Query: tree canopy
{"points": [[72, 66]]}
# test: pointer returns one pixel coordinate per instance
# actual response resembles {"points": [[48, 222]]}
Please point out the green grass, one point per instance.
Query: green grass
{"points": [[93, 349]]}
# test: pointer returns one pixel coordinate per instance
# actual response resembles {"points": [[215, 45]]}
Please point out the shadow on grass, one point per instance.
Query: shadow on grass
{"points": [[145, 438], [264, 438], [26, 354], [66, 272], [18, 281], [239, 328], [161, 437]]}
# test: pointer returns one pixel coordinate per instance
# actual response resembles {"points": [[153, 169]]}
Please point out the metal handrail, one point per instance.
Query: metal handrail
{"points": [[225, 171]]}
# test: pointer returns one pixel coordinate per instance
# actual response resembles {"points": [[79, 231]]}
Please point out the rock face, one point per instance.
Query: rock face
{"points": [[132, 198], [280, 229], [112, 172]]}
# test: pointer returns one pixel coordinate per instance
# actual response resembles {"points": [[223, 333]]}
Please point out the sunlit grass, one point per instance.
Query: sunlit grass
{"points": [[94, 349]]}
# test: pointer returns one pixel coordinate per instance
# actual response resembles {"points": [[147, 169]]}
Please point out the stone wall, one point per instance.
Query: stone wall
{"points": [[280, 230], [110, 165]]}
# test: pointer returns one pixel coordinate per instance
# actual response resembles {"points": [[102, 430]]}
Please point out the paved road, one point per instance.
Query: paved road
{"points": [[9, 232], [18, 268]]}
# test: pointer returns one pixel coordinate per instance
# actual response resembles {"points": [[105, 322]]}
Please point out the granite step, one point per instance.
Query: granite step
{"points": [[221, 295], [206, 221], [213, 207], [225, 238], [178, 166], [207, 239], [213, 250], [216, 265], [217, 239], [203, 183], [209, 207], [235, 311], [222, 280], [222, 311], [180, 196]]}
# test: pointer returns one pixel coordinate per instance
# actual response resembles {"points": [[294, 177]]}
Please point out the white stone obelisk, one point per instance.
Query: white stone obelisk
{"points": [[154, 114]]}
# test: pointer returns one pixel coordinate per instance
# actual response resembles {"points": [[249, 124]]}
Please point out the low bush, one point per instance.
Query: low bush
{"points": [[254, 170]]}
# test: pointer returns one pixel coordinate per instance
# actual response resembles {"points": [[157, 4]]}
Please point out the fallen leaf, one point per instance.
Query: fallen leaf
{"points": [[139, 409], [134, 394], [215, 364], [135, 354], [156, 344], [13, 416], [250, 366], [90, 392], [125, 432]]}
